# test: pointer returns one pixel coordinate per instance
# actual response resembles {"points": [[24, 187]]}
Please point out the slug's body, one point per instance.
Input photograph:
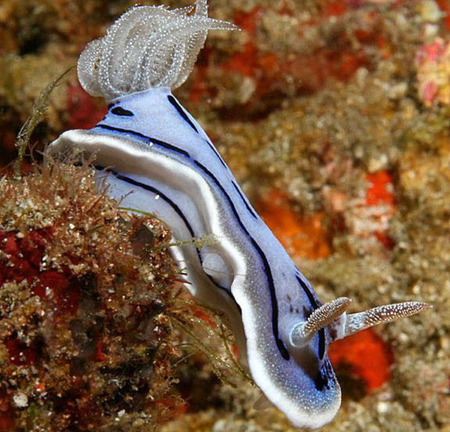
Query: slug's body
{"points": [[158, 159], [169, 167]]}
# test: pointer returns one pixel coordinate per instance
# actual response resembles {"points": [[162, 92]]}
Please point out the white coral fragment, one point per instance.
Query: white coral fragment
{"points": [[147, 47]]}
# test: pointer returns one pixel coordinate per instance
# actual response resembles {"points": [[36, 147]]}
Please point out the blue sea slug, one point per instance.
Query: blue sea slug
{"points": [[157, 158]]}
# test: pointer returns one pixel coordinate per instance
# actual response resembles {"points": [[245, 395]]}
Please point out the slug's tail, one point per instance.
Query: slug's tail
{"points": [[146, 47]]}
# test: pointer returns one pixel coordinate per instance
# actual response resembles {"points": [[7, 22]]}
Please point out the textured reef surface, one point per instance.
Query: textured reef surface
{"points": [[334, 116]]}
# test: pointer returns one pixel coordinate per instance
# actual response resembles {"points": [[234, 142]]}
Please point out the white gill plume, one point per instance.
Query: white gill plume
{"points": [[147, 47]]}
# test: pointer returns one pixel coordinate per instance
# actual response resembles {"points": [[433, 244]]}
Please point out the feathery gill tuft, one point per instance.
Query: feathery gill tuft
{"points": [[147, 47]]}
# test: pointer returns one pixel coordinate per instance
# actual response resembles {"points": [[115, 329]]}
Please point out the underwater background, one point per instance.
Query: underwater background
{"points": [[334, 117]]}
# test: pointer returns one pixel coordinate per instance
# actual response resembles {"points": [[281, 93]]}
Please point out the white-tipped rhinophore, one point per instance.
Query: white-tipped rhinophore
{"points": [[147, 47], [381, 314], [320, 318]]}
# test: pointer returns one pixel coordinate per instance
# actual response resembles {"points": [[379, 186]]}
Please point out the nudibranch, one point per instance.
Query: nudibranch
{"points": [[156, 158]]}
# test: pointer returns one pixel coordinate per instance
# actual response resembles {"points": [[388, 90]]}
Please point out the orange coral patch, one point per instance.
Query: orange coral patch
{"points": [[304, 236], [381, 193], [367, 355], [444, 5], [245, 62], [335, 8], [381, 190], [248, 21]]}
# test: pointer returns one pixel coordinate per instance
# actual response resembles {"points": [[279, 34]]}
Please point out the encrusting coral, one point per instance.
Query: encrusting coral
{"points": [[84, 331], [88, 303]]}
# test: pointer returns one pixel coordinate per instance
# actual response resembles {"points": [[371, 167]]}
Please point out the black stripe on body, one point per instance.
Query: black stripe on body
{"points": [[280, 344], [175, 208], [268, 272], [315, 305], [186, 118], [324, 378], [321, 343], [119, 111], [145, 138], [250, 210], [308, 292], [156, 192], [217, 154], [181, 111]]}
